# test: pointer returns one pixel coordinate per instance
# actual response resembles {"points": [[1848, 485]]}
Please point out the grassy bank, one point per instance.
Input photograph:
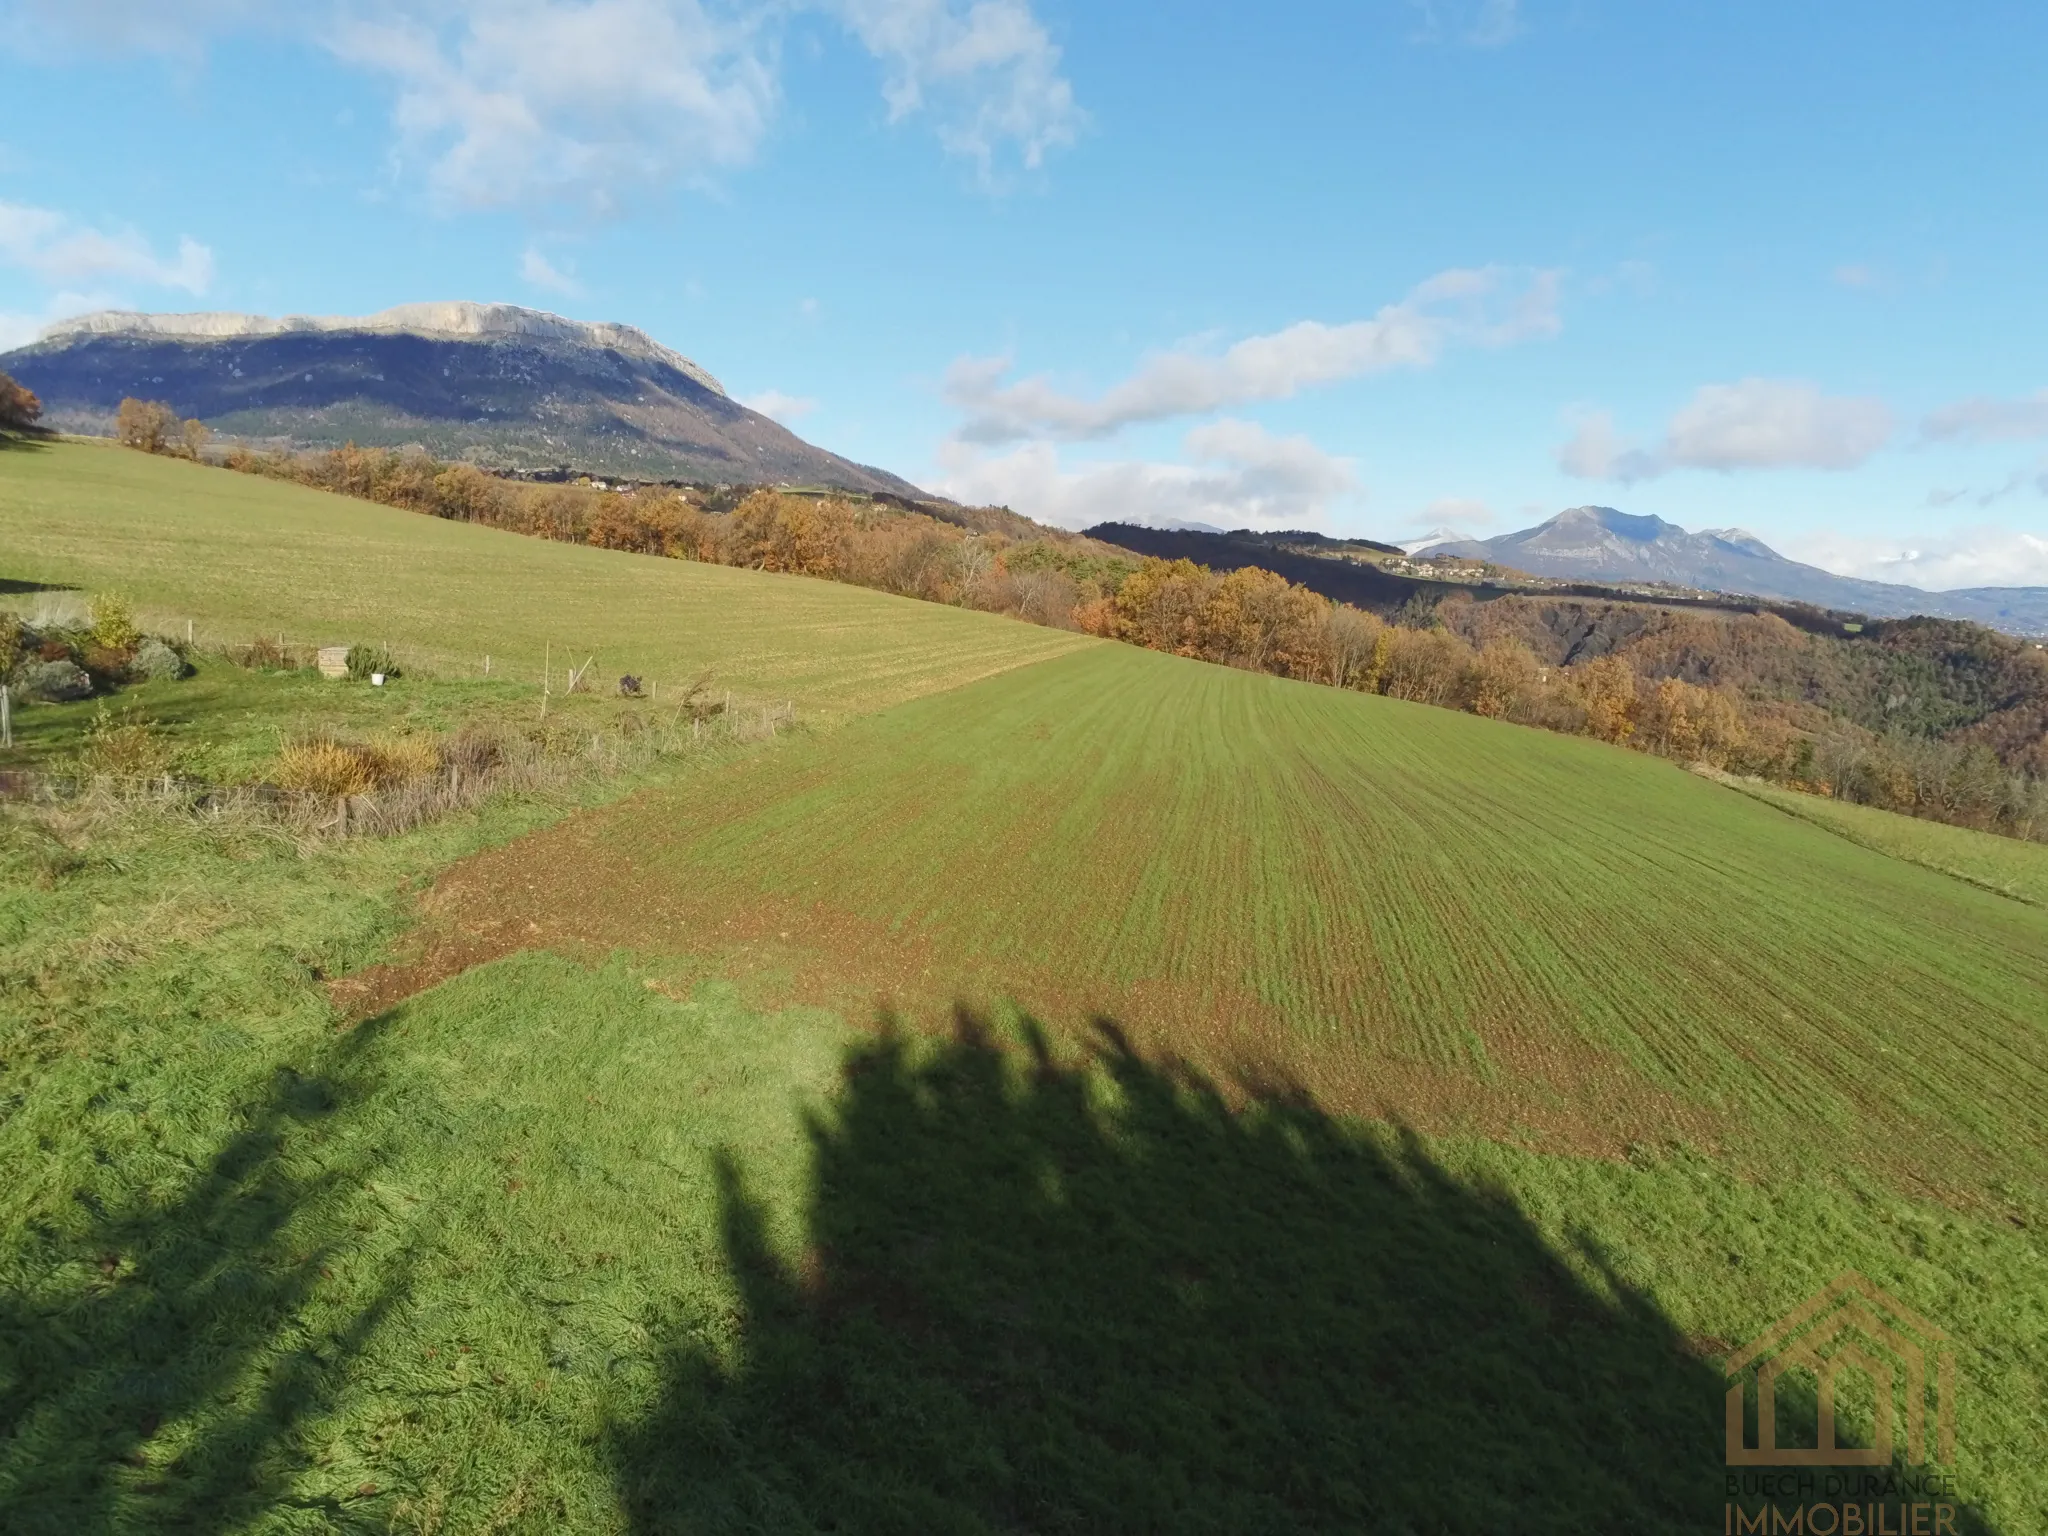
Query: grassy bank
{"points": [[244, 557]]}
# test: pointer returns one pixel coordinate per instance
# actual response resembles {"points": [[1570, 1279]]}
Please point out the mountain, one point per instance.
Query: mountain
{"points": [[1433, 537], [1601, 544], [507, 387]]}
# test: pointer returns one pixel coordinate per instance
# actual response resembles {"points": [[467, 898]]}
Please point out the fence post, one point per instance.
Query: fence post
{"points": [[6, 716]]}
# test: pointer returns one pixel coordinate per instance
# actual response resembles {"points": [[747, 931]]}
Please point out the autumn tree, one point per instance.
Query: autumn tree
{"points": [[1346, 641], [1426, 666], [1159, 606], [19, 408], [1503, 675], [145, 424], [1606, 689]]}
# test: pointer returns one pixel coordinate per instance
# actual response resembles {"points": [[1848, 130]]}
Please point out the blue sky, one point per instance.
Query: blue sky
{"points": [[1369, 267]]}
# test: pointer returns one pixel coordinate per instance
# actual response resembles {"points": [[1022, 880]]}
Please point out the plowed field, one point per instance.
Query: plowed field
{"points": [[1406, 911]]}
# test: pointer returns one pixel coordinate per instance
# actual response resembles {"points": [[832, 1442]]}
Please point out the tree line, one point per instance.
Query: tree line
{"points": [[1691, 694]]}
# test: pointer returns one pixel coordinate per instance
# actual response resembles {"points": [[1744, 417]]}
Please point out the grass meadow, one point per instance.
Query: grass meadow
{"points": [[2002, 864], [242, 557], [1467, 925], [1104, 1093]]}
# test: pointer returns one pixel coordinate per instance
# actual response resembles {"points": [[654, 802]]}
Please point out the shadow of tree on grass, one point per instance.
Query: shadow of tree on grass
{"points": [[1044, 1296], [156, 1365]]}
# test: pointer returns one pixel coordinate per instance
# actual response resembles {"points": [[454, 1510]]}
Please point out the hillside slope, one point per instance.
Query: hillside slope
{"points": [[1454, 923], [707, 1231], [185, 541], [504, 386]]}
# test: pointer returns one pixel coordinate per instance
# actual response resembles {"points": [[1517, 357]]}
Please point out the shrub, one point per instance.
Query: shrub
{"points": [[57, 681], [321, 765], [363, 660], [473, 751], [113, 622], [14, 642], [262, 654], [400, 759], [323, 768], [126, 746], [156, 661]]}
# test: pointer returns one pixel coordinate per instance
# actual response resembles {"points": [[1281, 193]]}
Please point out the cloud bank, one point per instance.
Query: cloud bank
{"points": [[1486, 306], [1242, 476], [1969, 557], [777, 406], [58, 249], [1983, 420], [522, 102], [1751, 424]]}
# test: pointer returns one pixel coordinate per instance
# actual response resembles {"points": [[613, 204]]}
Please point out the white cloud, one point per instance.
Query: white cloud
{"points": [[991, 75], [1751, 424], [1485, 306], [58, 249], [1243, 476], [1970, 557], [538, 271], [1855, 275], [1982, 420], [144, 26], [1479, 23], [522, 101], [774, 404], [510, 102]]}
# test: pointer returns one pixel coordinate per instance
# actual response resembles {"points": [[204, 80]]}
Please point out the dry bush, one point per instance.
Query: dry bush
{"points": [[472, 751], [263, 654], [322, 767], [125, 746], [401, 759]]}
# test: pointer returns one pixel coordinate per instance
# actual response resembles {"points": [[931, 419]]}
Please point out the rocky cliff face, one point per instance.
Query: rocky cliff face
{"points": [[504, 386]]}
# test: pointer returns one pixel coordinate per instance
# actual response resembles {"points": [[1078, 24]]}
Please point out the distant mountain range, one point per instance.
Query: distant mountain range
{"points": [[1601, 544], [507, 387]]}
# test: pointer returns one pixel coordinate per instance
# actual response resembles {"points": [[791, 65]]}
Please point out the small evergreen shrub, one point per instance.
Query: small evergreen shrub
{"points": [[363, 660], [113, 622], [156, 661], [57, 681]]}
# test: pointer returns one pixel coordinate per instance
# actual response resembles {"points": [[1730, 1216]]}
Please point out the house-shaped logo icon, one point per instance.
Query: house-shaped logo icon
{"points": [[1850, 1325]]}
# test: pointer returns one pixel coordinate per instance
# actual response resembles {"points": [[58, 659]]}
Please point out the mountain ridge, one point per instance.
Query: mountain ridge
{"points": [[1593, 543], [498, 384]]}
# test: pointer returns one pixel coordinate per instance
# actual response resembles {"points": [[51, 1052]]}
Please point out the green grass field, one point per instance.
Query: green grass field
{"points": [[1102, 1093], [1465, 924], [243, 557], [2001, 864]]}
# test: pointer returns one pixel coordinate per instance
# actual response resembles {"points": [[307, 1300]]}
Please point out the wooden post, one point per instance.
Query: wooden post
{"points": [[547, 678], [6, 716]]}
